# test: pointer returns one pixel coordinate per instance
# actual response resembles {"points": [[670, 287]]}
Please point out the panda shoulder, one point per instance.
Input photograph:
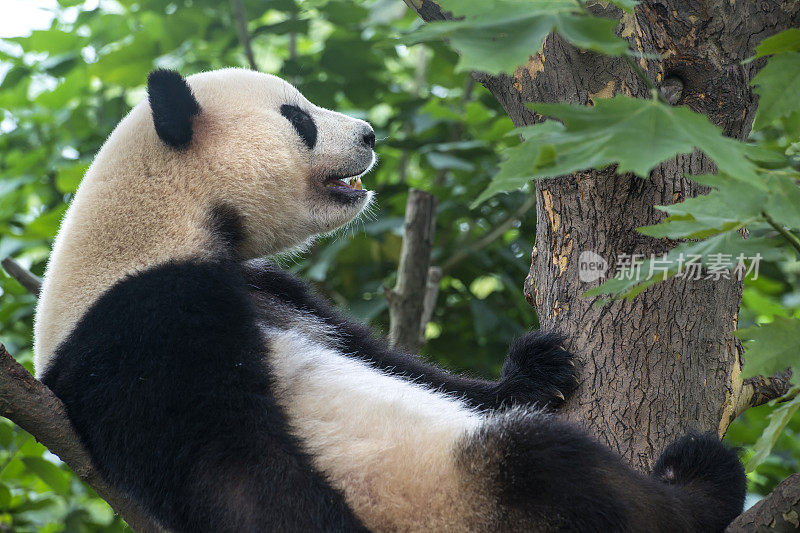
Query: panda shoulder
{"points": [[266, 278]]}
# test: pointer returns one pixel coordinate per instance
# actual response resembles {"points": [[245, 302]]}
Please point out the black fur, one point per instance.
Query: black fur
{"points": [[548, 475], [544, 471], [173, 106], [225, 222], [537, 370], [710, 477], [165, 381], [303, 124]]}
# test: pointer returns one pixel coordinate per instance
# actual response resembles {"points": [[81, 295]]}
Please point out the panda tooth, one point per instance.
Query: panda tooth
{"points": [[357, 184]]}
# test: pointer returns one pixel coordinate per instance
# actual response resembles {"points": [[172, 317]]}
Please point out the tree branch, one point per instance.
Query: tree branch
{"points": [[241, 29], [33, 407], [429, 300], [427, 10], [790, 237], [759, 390], [406, 300], [779, 511], [25, 278], [490, 236]]}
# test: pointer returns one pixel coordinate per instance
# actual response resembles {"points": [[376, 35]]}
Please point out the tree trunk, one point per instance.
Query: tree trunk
{"points": [[666, 361]]}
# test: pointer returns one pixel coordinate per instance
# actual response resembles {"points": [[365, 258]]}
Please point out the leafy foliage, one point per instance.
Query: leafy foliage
{"points": [[498, 36], [771, 346], [635, 134], [756, 186], [779, 78], [778, 419]]}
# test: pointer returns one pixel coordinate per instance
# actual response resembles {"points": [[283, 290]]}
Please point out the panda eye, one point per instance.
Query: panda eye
{"points": [[302, 122]]}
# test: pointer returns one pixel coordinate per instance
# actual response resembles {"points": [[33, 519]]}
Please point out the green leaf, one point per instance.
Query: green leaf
{"points": [[778, 419], [55, 478], [732, 205], [639, 134], [636, 134], [785, 41], [499, 36], [515, 171], [68, 178], [441, 161], [777, 85], [771, 347], [5, 497], [689, 227], [784, 200], [483, 286], [51, 41]]}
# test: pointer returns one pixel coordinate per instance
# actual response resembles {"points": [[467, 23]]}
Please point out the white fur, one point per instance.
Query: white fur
{"points": [[387, 443], [143, 203]]}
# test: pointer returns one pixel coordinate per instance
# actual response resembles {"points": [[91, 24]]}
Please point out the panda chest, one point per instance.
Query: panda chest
{"points": [[370, 432]]}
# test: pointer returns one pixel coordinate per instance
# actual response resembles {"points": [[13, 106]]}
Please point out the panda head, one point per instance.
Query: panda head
{"points": [[271, 168]]}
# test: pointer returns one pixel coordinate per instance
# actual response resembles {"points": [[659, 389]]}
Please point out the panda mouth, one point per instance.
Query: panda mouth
{"points": [[345, 185], [352, 182]]}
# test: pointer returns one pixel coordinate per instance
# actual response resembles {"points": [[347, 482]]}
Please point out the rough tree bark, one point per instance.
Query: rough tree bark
{"points": [[666, 361], [778, 513]]}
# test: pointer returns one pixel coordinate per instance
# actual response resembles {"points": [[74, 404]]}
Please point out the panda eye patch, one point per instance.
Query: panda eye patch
{"points": [[302, 122]]}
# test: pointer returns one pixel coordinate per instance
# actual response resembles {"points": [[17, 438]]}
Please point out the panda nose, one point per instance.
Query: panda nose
{"points": [[368, 138]]}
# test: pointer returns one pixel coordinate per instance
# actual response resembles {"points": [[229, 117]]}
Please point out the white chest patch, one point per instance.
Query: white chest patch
{"points": [[386, 442]]}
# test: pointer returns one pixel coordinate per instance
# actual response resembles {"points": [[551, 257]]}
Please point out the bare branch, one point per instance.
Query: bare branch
{"points": [[759, 390], [429, 301], [407, 297], [25, 278], [33, 407], [241, 29], [427, 10], [778, 512]]}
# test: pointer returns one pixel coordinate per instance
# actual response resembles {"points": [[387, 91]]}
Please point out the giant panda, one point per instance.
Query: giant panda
{"points": [[219, 393]]}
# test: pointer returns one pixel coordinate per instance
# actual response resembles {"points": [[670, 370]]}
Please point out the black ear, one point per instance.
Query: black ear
{"points": [[173, 106]]}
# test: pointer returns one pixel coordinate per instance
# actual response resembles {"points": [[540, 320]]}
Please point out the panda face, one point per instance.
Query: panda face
{"points": [[288, 169]]}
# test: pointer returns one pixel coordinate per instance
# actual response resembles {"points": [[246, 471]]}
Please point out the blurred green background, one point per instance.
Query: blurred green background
{"points": [[65, 86]]}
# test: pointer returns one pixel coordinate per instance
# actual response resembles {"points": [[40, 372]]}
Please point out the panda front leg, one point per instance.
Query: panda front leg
{"points": [[538, 370]]}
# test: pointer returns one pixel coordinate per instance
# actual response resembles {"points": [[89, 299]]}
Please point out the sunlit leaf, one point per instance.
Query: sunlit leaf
{"points": [[785, 41], [778, 419]]}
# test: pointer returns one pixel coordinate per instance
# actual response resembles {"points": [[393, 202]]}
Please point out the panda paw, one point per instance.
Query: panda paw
{"points": [[538, 370]]}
